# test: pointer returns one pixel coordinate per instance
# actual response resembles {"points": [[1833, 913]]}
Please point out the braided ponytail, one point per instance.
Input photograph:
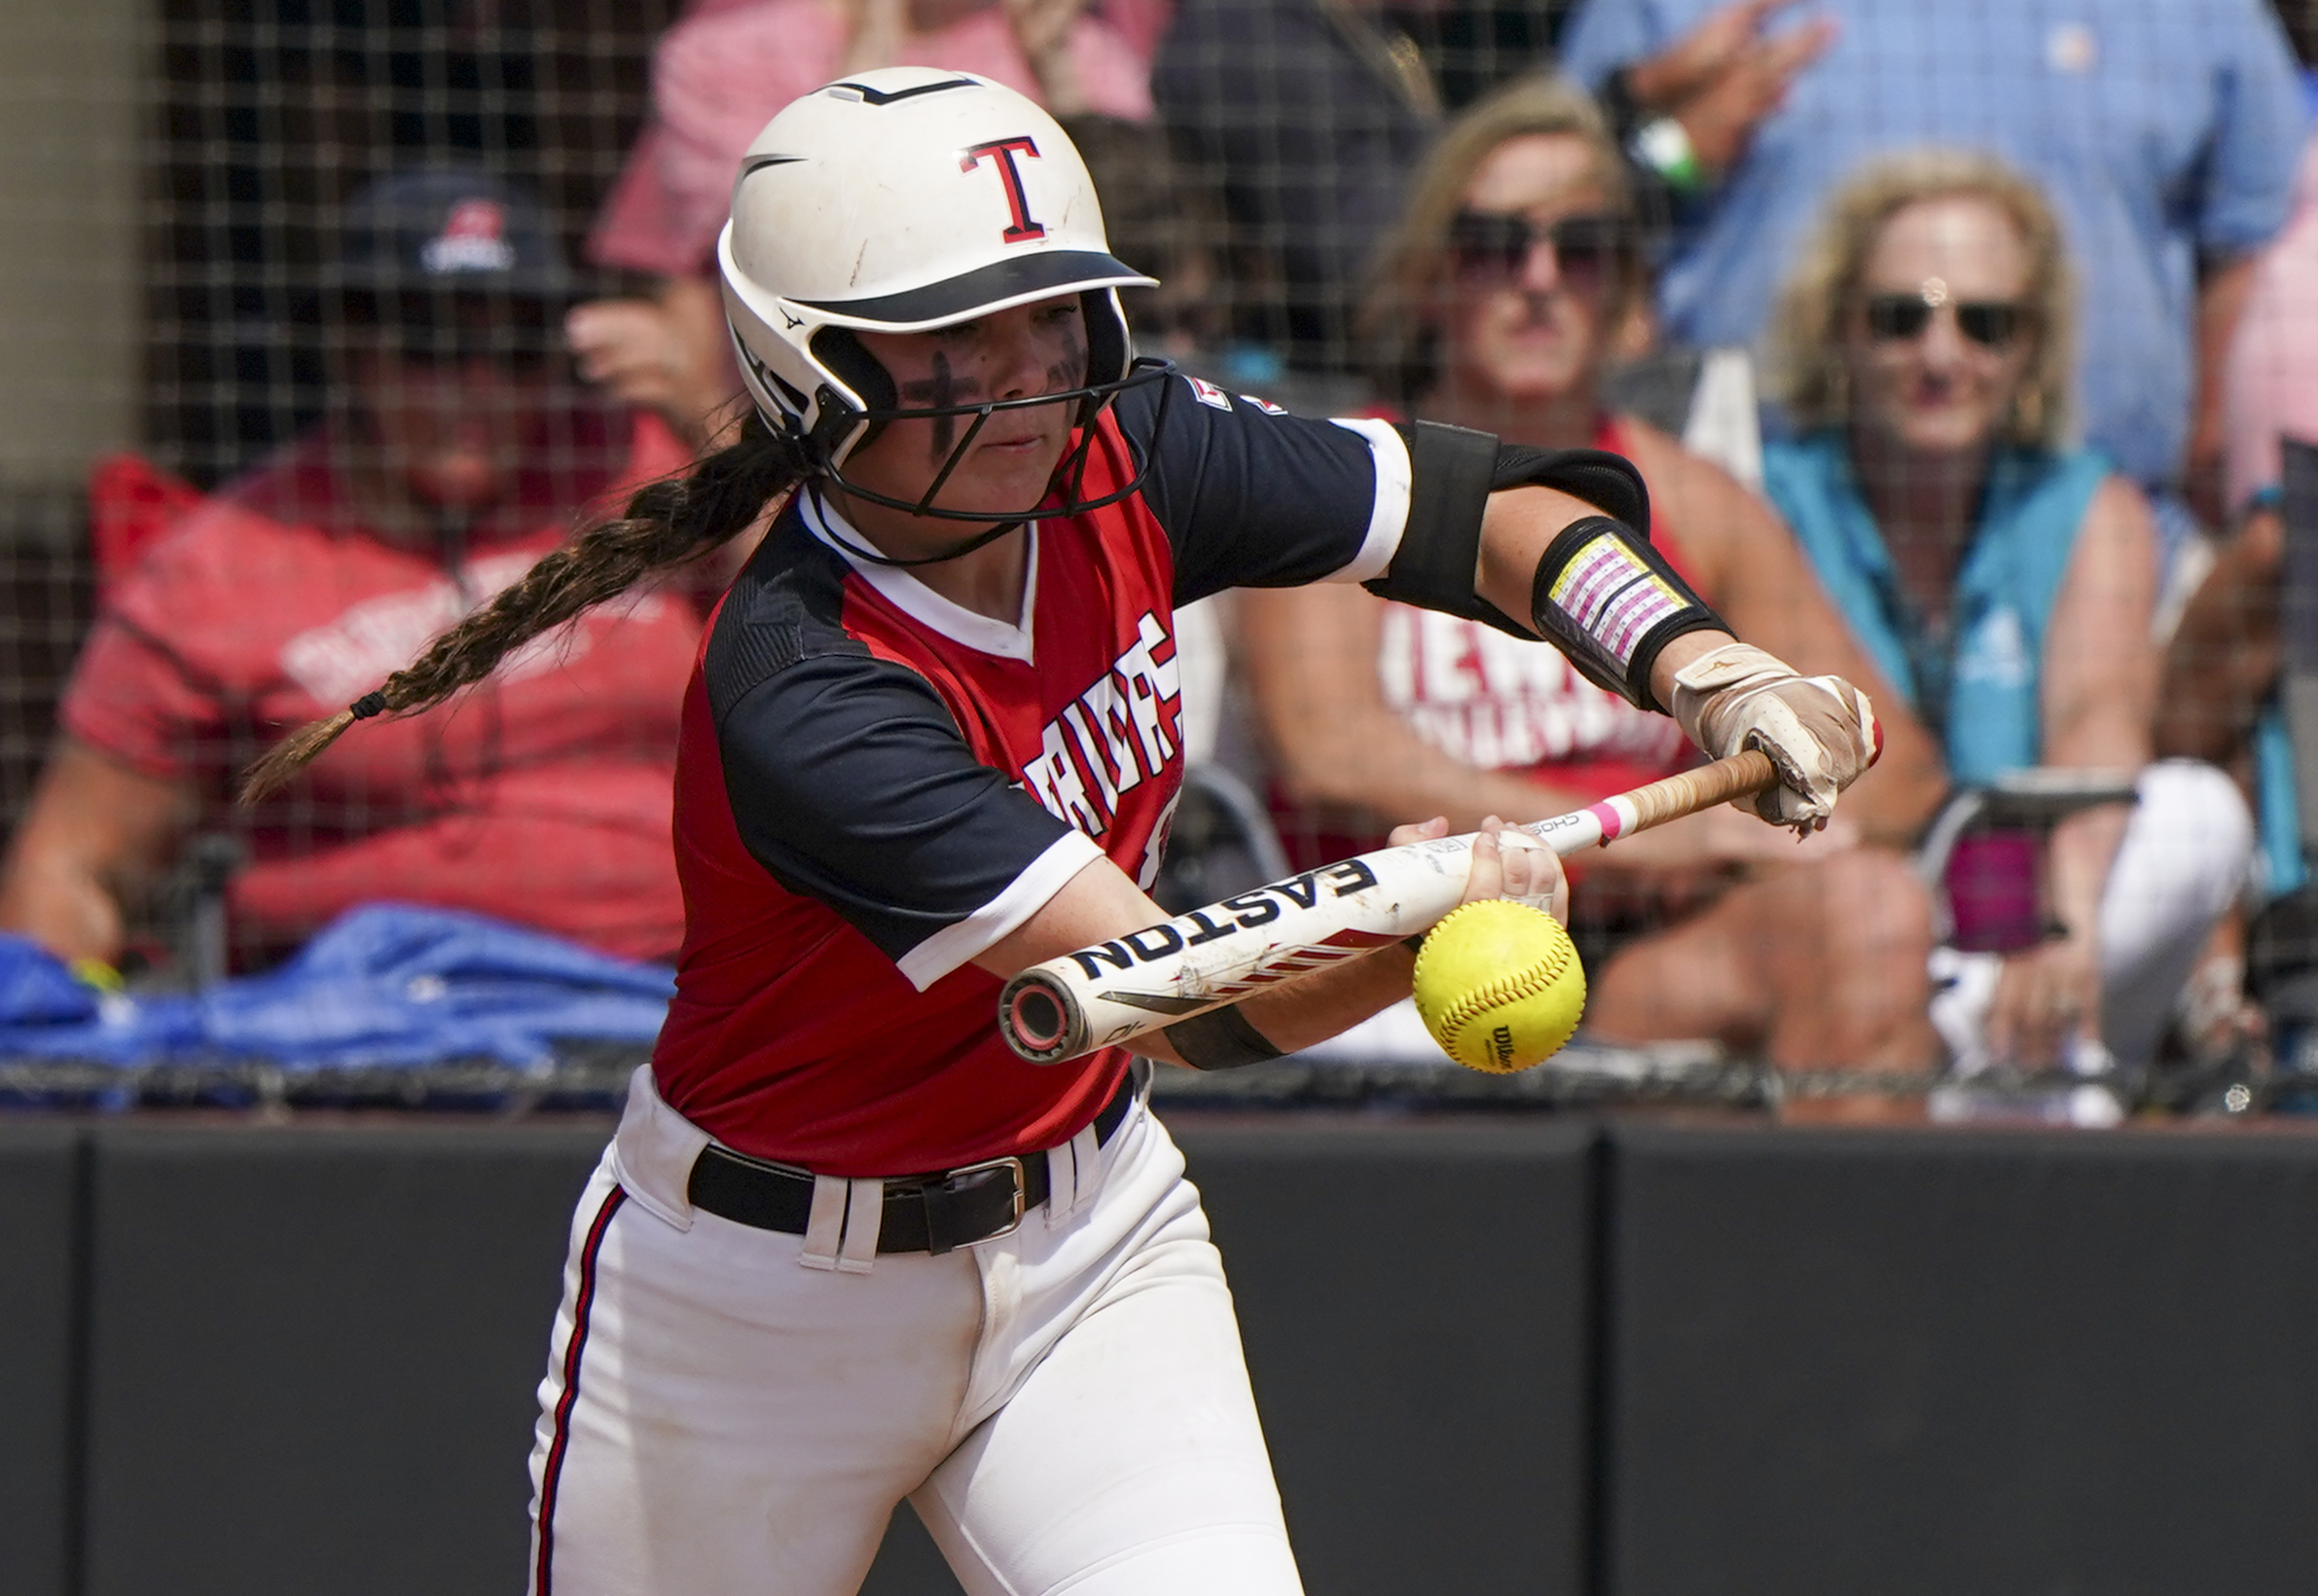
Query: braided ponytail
{"points": [[666, 524]]}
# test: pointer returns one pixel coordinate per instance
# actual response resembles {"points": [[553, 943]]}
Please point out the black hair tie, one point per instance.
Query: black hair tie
{"points": [[367, 706]]}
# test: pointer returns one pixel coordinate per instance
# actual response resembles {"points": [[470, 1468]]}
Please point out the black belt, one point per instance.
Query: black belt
{"points": [[923, 1213]]}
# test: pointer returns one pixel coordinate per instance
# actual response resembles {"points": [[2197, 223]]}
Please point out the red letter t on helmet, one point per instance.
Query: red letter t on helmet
{"points": [[1006, 150]]}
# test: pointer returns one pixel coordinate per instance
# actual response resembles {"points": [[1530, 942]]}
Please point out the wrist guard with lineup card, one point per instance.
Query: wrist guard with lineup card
{"points": [[1610, 602]]}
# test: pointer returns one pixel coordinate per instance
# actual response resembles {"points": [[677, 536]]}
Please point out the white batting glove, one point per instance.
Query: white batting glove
{"points": [[1819, 731]]}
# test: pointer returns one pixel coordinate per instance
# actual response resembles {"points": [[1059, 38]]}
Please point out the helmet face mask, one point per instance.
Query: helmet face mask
{"points": [[905, 200], [1064, 494]]}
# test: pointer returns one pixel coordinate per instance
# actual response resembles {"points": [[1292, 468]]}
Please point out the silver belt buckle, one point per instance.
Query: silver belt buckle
{"points": [[953, 1180]]}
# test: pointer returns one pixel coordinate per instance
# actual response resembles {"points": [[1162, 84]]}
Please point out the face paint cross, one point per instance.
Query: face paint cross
{"points": [[1006, 150]]}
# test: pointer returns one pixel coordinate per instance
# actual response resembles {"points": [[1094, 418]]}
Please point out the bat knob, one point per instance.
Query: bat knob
{"points": [[1040, 1021], [1874, 740]]}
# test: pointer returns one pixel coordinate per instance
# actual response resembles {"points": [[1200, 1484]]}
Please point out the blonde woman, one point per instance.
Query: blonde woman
{"points": [[1504, 292], [2002, 580]]}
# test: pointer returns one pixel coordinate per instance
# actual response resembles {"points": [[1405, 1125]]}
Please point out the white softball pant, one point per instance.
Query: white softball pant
{"points": [[1067, 1407]]}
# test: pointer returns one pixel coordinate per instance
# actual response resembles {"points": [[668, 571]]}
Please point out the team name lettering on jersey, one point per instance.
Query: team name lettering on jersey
{"points": [[1116, 735]]}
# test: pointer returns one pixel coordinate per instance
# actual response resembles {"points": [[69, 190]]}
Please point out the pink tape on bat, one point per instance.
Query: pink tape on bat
{"points": [[1613, 827]]}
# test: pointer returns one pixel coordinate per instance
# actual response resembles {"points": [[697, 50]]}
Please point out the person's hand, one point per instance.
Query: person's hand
{"points": [[1043, 28], [653, 355], [874, 35], [1723, 114], [1819, 731], [2047, 997], [628, 347], [1662, 82], [1725, 76], [2205, 470], [1505, 863]]}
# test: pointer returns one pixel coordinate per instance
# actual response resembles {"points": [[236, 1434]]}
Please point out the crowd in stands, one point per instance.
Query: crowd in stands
{"points": [[1506, 290], [456, 451], [2030, 294]]}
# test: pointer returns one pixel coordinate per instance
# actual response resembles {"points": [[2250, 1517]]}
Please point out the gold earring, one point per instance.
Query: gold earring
{"points": [[2028, 415]]}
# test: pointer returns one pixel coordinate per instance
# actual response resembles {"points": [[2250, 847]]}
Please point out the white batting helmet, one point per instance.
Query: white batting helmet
{"points": [[900, 200]]}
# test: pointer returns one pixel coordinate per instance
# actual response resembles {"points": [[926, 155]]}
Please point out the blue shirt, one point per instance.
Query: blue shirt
{"points": [[1978, 683], [2162, 129]]}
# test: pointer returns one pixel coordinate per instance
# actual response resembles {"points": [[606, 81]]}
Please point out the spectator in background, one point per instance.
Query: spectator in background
{"points": [[1505, 287], [2220, 700], [717, 78], [2222, 667], [2165, 134], [1165, 227], [2001, 579], [455, 452], [1305, 117]]}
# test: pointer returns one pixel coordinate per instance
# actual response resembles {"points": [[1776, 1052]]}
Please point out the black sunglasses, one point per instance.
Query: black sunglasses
{"points": [[1895, 318], [1498, 243]]}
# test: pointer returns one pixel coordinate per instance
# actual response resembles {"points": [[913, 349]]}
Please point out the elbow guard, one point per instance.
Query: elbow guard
{"points": [[1454, 471]]}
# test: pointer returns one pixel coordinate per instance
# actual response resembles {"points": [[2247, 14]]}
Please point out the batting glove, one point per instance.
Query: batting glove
{"points": [[1819, 731]]}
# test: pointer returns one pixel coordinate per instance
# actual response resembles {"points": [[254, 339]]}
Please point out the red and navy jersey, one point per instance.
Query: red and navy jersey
{"points": [[875, 784]]}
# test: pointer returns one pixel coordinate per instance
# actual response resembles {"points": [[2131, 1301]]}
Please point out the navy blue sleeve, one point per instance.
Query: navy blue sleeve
{"points": [[1253, 498], [851, 784]]}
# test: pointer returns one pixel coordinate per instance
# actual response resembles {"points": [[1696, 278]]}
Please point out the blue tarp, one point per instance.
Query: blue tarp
{"points": [[384, 986]]}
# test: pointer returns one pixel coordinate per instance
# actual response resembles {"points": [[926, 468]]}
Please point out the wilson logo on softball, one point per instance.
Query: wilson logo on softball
{"points": [[1004, 152]]}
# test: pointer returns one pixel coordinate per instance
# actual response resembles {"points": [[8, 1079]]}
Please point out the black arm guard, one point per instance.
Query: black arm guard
{"points": [[1221, 1039], [1452, 474], [1610, 602], [1608, 482]]}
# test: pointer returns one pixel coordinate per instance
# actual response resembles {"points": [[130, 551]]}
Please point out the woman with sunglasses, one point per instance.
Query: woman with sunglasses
{"points": [[1509, 288], [457, 449], [2002, 580]]}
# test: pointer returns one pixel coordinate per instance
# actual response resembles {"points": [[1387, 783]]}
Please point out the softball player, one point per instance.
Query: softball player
{"points": [[846, 1247]]}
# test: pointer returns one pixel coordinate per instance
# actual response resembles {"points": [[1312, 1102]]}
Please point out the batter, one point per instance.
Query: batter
{"points": [[846, 1247]]}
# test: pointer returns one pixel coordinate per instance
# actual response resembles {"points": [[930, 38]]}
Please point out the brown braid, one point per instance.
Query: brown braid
{"points": [[666, 524]]}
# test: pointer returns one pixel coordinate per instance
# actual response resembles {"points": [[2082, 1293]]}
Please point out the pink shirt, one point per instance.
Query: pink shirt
{"points": [[722, 73], [2271, 383]]}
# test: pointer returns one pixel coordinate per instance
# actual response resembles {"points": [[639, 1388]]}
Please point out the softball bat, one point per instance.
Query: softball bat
{"points": [[1115, 991]]}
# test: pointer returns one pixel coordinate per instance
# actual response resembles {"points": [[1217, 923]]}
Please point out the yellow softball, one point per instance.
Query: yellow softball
{"points": [[1498, 985]]}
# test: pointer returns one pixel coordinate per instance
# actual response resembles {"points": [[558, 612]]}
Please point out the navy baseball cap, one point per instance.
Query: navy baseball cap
{"points": [[449, 228]]}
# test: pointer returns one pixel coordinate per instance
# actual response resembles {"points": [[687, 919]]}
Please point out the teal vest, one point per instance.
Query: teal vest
{"points": [[1977, 685]]}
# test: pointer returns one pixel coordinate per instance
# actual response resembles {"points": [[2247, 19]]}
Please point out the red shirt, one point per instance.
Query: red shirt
{"points": [[1497, 703], [875, 786], [540, 797]]}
